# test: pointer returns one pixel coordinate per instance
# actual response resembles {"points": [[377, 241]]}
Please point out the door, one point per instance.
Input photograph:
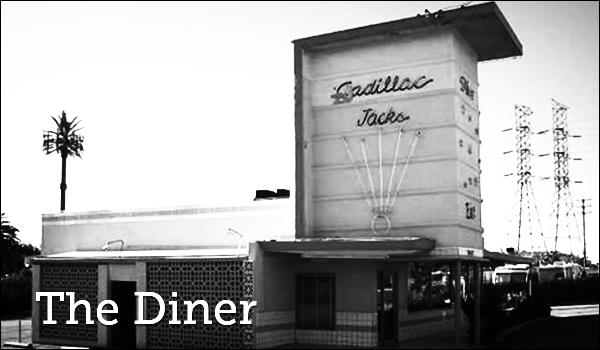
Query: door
{"points": [[387, 310], [122, 334]]}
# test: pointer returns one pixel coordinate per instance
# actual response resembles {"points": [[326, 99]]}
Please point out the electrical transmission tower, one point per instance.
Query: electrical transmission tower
{"points": [[562, 207], [526, 218]]}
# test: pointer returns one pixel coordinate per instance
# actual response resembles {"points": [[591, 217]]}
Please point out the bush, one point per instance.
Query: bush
{"points": [[16, 292]]}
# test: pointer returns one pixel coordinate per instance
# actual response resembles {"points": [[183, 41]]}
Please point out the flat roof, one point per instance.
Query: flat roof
{"points": [[139, 255], [483, 26], [501, 258]]}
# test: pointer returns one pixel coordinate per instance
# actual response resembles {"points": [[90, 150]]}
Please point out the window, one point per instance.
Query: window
{"points": [[315, 302], [428, 287], [511, 277]]}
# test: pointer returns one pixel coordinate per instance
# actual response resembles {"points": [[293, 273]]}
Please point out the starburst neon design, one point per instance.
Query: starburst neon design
{"points": [[381, 204]]}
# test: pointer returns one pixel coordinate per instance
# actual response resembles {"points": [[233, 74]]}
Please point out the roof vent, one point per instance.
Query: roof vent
{"points": [[267, 194]]}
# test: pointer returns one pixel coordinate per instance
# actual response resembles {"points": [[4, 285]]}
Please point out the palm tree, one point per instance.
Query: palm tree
{"points": [[66, 142], [10, 246]]}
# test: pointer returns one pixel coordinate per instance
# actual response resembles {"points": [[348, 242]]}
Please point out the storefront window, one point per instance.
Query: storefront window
{"points": [[511, 277], [315, 303], [428, 287]]}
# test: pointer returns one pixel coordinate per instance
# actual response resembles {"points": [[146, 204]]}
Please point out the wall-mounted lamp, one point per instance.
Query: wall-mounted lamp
{"points": [[232, 231], [107, 244]]}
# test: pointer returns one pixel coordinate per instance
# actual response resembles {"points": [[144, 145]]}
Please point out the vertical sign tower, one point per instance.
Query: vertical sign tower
{"points": [[387, 128]]}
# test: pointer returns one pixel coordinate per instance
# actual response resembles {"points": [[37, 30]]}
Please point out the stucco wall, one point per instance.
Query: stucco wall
{"points": [[169, 228], [337, 152], [356, 280], [355, 299]]}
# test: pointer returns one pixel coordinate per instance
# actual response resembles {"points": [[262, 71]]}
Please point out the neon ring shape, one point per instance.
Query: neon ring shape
{"points": [[388, 223]]}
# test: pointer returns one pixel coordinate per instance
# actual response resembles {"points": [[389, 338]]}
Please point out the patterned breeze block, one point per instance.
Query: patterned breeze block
{"points": [[209, 280], [82, 279]]}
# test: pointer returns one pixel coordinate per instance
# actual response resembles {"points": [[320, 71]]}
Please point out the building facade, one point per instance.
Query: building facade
{"points": [[383, 241]]}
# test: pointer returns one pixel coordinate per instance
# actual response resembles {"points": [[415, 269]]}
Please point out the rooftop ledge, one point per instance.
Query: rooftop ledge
{"points": [[252, 207], [483, 26], [137, 255]]}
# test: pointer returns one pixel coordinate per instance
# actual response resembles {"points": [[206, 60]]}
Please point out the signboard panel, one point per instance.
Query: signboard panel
{"points": [[380, 84], [346, 118], [387, 128], [415, 210], [340, 181], [381, 52], [391, 138]]}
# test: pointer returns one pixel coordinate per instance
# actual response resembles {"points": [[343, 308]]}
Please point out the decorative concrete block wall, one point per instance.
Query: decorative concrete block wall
{"points": [[209, 280], [82, 279]]}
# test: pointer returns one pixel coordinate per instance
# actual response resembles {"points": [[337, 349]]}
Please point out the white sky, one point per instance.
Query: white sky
{"points": [[193, 103]]}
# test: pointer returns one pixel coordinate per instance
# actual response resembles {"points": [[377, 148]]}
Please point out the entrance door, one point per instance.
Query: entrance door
{"points": [[387, 311], [122, 334]]}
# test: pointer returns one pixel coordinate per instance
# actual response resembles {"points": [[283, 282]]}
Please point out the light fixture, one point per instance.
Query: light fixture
{"points": [[107, 244], [232, 231], [345, 255]]}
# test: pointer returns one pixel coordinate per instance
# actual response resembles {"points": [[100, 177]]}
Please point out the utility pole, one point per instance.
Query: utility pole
{"points": [[583, 212]]}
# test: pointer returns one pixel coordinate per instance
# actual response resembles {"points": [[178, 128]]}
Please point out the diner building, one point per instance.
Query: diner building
{"points": [[381, 241]]}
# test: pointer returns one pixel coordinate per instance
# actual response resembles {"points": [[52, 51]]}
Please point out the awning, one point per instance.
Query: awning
{"points": [[375, 248], [500, 258]]}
